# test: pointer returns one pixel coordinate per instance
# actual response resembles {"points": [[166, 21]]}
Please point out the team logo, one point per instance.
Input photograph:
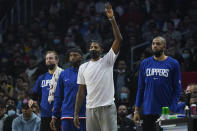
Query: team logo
{"points": [[157, 72], [45, 83]]}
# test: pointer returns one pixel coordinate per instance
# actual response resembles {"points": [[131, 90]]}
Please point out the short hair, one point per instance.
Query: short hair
{"points": [[163, 40], [25, 106], [99, 42], [54, 52], [78, 50], [123, 105], [13, 99]]}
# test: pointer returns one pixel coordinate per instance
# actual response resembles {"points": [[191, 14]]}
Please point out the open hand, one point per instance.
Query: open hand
{"points": [[109, 10]]}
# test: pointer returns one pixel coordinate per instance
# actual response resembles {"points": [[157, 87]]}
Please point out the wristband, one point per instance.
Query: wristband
{"points": [[54, 118]]}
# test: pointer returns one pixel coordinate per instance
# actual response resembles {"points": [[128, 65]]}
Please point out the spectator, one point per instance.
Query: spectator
{"points": [[27, 121], [192, 88], [187, 60], [21, 96], [125, 97], [11, 101], [32, 67], [122, 77], [124, 123], [7, 88], [3, 114], [172, 32], [36, 108], [190, 43], [1, 94], [11, 111], [92, 34]]}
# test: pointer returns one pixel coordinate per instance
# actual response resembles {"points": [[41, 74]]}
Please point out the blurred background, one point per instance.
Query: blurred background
{"points": [[29, 28]]}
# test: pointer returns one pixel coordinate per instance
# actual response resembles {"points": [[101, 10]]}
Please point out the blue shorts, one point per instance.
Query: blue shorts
{"points": [[68, 125]]}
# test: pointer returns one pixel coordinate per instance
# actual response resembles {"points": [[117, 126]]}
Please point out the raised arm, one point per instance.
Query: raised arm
{"points": [[116, 31], [79, 101]]}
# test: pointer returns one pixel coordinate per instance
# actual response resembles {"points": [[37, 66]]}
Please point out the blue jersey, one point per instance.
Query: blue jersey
{"points": [[65, 95], [159, 85], [42, 87]]}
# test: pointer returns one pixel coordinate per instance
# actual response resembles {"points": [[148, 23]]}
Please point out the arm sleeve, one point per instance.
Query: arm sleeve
{"points": [[38, 125], [14, 125], [176, 87], [58, 97], [80, 77], [37, 90], [110, 57], [141, 86]]}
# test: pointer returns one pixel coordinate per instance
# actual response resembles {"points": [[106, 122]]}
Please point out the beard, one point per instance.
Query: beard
{"points": [[76, 64], [122, 114], [158, 53]]}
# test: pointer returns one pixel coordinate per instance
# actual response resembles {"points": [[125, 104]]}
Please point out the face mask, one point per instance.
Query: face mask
{"points": [[56, 41], [123, 96], [94, 54], [185, 55], [11, 112], [51, 67]]}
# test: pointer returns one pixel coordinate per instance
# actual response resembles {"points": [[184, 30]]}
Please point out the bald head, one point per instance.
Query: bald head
{"points": [[158, 46], [161, 39]]}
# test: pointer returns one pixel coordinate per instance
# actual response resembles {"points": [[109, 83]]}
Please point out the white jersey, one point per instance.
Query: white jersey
{"points": [[98, 78]]}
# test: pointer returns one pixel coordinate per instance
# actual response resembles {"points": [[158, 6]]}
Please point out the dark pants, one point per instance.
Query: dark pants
{"points": [[149, 122], [45, 124], [68, 125]]}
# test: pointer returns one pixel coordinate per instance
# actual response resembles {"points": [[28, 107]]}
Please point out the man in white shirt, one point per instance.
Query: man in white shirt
{"points": [[97, 76]]}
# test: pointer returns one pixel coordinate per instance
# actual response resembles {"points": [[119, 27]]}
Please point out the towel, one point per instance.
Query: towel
{"points": [[53, 84]]}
